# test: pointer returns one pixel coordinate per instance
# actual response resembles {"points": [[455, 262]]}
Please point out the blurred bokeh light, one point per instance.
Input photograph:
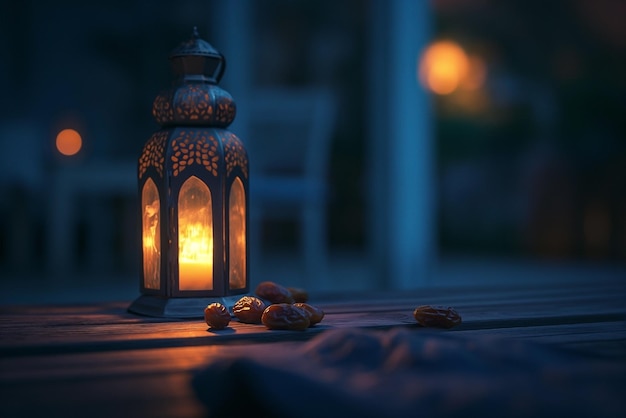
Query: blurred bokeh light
{"points": [[69, 142], [444, 66]]}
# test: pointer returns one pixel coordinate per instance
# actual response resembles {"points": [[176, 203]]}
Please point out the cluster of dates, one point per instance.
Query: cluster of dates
{"points": [[275, 306]]}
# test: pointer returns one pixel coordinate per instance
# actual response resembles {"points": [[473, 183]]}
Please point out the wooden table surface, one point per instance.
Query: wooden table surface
{"points": [[98, 360]]}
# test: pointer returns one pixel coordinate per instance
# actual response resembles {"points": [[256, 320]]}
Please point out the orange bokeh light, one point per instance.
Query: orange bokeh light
{"points": [[69, 142], [444, 66]]}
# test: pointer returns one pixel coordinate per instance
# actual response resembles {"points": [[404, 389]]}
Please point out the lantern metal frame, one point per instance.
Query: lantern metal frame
{"points": [[193, 142]]}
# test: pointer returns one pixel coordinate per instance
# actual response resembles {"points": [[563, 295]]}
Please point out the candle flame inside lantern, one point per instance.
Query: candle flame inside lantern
{"points": [[195, 236]]}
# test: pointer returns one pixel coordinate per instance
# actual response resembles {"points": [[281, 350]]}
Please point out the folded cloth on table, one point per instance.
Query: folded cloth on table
{"points": [[408, 373]]}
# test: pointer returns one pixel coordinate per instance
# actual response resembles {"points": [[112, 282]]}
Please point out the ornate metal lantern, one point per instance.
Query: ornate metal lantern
{"points": [[193, 189]]}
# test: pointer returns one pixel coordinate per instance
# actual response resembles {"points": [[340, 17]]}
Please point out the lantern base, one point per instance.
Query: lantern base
{"points": [[178, 307]]}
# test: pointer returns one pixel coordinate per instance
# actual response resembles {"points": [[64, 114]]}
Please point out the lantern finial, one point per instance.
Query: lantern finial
{"points": [[197, 60]]}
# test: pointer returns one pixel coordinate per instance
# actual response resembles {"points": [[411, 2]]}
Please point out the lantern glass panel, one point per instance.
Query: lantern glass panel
{"points": [[195, 236], [151, 235], [237, 235]]}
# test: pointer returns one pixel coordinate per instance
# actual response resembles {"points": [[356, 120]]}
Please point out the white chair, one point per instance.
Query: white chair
{"points": [[288, 133]]}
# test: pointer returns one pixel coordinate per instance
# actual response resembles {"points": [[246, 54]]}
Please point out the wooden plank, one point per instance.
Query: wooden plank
{"points": [[141, 383], [481, 296], [123, 395], [101, 361], [605, 339], [123, 337], [24, 335], [45, 329], [101, 364], [155, 382], [95, 365]]}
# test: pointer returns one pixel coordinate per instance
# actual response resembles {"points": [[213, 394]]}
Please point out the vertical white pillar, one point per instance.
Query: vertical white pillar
{"points": [[403, 217], [231, 32]]}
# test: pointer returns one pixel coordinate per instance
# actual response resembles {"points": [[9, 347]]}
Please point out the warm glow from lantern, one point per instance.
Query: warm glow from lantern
{"points": [[151, 235], [195, 236], [443, 66], [69, 142], [237, 236]]}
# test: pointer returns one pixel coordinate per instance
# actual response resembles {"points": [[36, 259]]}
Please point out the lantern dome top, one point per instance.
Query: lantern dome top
{"points": [[195, 98], [196, 59], [195, 46]]}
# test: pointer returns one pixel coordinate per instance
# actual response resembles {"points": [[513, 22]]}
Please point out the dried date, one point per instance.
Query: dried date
{"points": [[249, 309], [216, 316], [436, 316], [299, 295], [285, 316], [273, 292], [315, 314]]}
